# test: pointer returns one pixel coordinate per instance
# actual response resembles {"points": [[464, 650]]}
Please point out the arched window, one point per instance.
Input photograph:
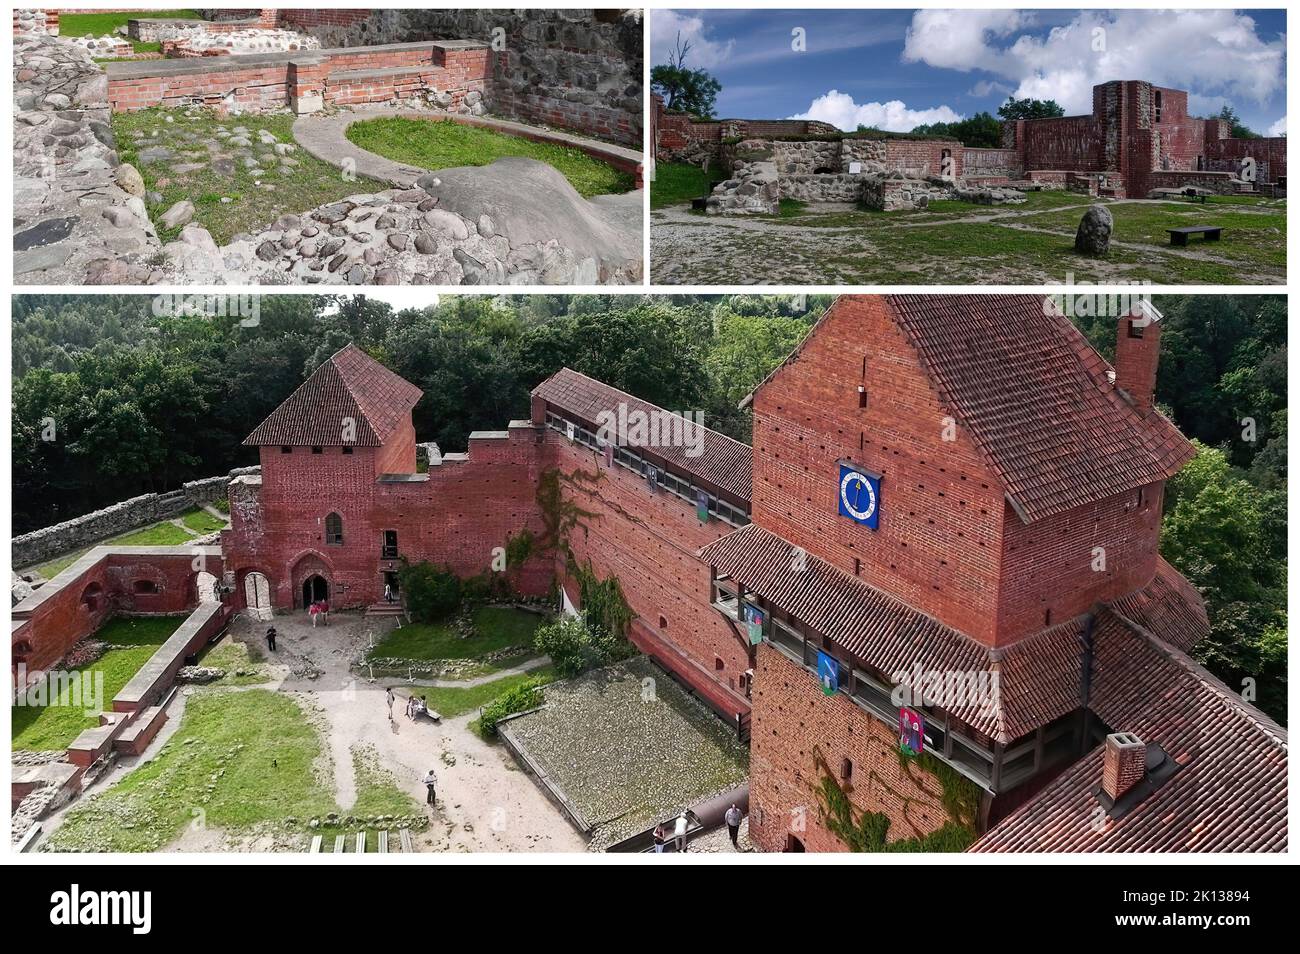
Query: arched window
{"points": [[334, 530]]}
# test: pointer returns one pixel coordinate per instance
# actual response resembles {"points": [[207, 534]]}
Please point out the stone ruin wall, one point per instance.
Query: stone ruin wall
{"points": [[576, 69], [122, 517]]}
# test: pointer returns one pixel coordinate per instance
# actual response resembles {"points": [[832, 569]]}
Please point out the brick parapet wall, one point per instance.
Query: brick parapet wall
{"points": [[265, 81], [101, 584], [649, 540]]}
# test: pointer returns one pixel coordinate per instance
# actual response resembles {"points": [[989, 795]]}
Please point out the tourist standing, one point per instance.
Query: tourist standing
{"points": [[391, 696], [313, 612], [431, 782], [732, 818], [325, 612], [270, 638], [388, 592], [679, 833], [661, 837]]}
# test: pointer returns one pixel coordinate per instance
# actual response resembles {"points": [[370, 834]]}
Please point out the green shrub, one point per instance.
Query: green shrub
{"points": [[430, 593], [575, 646], [521, 698]]}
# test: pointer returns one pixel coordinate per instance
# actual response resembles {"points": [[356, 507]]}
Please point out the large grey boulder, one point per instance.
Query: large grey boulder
{"points": [[1093, 237]]}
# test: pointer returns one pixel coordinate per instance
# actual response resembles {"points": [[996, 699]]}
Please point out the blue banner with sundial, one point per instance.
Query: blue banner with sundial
{"points": [[859, 496]]}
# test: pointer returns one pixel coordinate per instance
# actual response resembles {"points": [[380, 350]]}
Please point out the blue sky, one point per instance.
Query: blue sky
{"points": [[899, 68]]}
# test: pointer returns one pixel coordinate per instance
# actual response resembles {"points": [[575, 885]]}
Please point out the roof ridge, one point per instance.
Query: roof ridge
{"points": [[639, 400]]}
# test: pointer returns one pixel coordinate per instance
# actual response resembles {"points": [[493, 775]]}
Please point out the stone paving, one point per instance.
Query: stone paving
{"points": [[79, 217]]}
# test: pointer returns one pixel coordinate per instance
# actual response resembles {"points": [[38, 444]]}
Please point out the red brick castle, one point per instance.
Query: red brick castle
{"points": [[939, 486]]}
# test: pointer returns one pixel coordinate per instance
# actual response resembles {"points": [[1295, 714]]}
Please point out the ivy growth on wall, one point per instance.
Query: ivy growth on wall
{"points": [[560, 515], [869, 831]]}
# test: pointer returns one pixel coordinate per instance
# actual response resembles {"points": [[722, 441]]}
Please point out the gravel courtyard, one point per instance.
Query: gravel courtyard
{"points": [[626, 747]]}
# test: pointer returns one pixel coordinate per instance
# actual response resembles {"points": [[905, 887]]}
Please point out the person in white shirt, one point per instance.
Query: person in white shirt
{"points": [[679, 832], [733, 817], [431, 783]]}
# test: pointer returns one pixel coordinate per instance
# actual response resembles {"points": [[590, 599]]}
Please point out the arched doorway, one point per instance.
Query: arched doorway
{"points": [[257, 595], [314, 589], [91, 597]]}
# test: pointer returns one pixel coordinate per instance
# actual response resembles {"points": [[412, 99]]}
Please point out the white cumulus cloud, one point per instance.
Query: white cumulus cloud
{"points": [[840, 110], [667, 25], [1211, 53], [1278, 128]]}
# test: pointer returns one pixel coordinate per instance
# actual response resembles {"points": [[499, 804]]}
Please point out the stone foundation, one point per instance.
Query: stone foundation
{"points": [[753, 190]]}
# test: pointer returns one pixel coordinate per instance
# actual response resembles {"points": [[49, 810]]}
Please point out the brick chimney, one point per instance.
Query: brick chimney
{"points": [[1137, 355], [1123, 765]]}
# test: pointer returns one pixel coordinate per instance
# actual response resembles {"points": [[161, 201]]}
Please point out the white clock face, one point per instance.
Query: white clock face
{"points": [[858, 497]]}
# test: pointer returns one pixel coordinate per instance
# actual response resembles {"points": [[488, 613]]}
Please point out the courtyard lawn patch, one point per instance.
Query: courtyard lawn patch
{"points": [[377, 791], [242, 759], [106, 24], [236, 657], [158, 535], [202, 522], [677, 183], [189, 157], [444, 143], [496, 628], [131, 641], [163, 534], [450, 702]]}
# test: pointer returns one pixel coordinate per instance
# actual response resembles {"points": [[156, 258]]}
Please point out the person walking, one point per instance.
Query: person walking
{"points": [[270, 638], [679, 833], [431, 783], [388, 592], [325, 612], [661, 837], [732, 818], [392, 697], [314, 612]]}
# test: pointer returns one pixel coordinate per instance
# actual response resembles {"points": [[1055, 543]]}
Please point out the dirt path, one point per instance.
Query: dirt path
{"points": [[485, 803]]}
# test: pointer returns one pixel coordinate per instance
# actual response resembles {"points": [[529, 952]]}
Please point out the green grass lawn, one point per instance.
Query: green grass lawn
{"points": [[445, 143], [676, 183], [231, 655], [453, 702], [164, 534], [202, 522], [255, 199], [238, 761], [132, 641], [498, 627], [104, 24]]}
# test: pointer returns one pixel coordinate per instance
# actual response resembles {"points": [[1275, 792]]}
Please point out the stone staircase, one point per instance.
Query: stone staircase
{"points": [[385, 609]]}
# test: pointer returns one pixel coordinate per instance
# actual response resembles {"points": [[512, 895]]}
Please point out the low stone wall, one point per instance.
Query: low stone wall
{"points": [[1219, 183], [147, 686], [36, 22], [48, 542], [838, 187], [893, 194], [304, 80]]}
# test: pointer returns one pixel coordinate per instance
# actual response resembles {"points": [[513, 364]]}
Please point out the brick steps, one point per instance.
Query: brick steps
{"points": [[385, 609], [135, 738]]}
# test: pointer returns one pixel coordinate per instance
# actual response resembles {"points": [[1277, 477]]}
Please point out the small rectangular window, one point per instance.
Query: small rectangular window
{"points": [[347, 450], [286, 449], [862, 397], [318, 450]]}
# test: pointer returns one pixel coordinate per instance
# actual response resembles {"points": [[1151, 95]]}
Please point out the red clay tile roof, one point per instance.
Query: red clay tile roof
{"points": [[350, 385], [1229, 795], [1036, 400], [724, 463], [1169, 607], [1039, 676]]}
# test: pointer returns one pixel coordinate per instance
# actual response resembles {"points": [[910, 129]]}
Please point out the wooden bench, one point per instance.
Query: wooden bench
{"points": [[317, 844], [1212, 233], [382, 846], [407, 844], [361, 843]]}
